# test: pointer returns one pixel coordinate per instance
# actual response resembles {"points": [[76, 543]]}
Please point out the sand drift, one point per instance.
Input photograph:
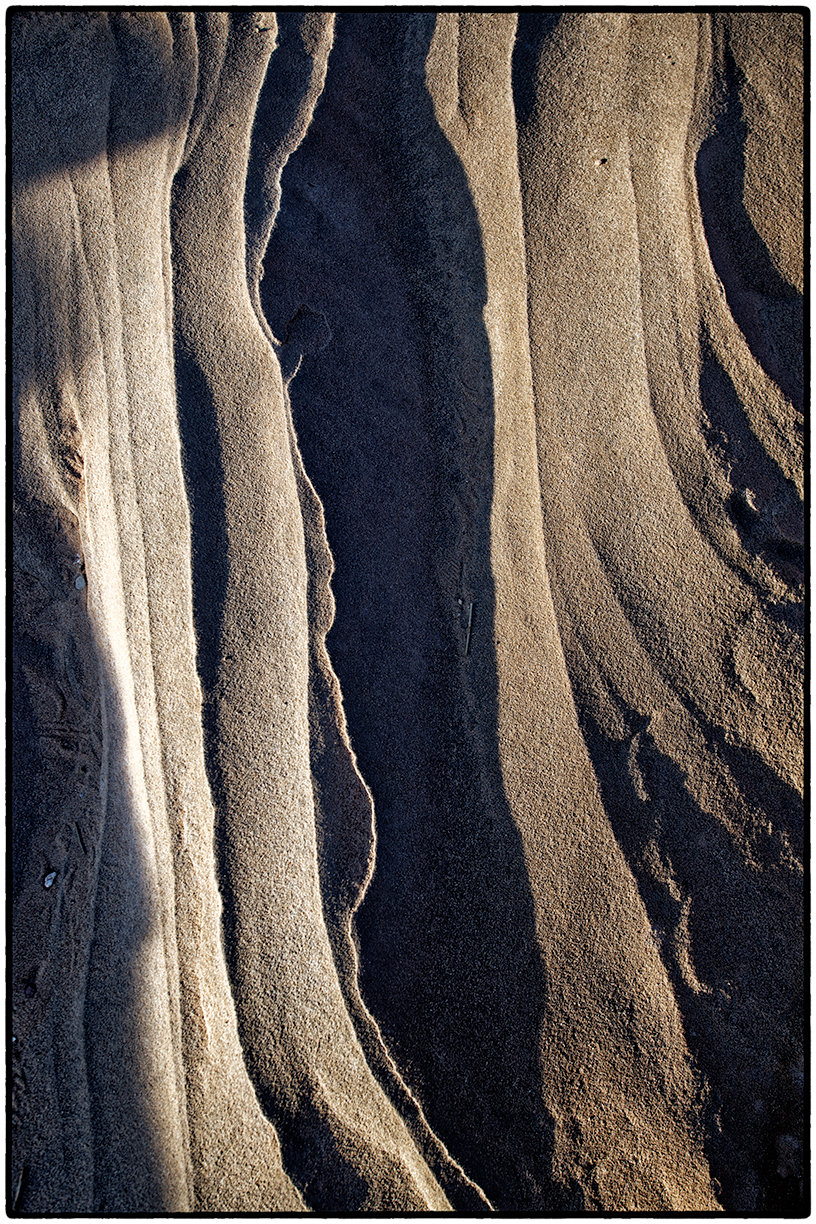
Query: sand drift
{"points": [[408, 612]]}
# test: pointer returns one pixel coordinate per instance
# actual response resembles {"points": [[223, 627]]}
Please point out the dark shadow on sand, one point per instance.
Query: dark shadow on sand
{"points": [[378, 233], [45, 80], [204, 483], [739, 927], [768, 310], [78, 89], [532, 32], [751, 468], [83, 1044]]}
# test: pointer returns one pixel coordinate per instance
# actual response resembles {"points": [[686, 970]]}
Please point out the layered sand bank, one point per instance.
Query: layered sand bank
{"points": [[408, 612]]}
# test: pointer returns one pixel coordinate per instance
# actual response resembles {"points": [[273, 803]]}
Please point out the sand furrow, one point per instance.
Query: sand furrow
{"points": [[408, 630], [300, 1047], [594, 554]]}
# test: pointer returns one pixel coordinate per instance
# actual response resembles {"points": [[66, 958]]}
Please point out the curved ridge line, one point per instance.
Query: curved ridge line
{"points": [[685, 704], [167, 900], [762, 399], [369, 1034], [745, 565], [125, 665], [713, 531], [365, 1026]]}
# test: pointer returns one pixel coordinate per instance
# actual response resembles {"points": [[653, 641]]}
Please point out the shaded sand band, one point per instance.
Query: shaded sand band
{"points": [[408, 612]]}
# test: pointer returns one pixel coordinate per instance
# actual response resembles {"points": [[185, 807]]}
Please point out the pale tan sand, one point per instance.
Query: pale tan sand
{"points": [[408, 632], [590, 921]]}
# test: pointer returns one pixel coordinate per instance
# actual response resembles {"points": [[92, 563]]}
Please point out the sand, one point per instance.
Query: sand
{"points": [[408, 612]]}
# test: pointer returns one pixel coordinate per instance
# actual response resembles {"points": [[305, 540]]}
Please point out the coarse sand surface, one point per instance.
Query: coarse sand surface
{"points": [[408, 575]]}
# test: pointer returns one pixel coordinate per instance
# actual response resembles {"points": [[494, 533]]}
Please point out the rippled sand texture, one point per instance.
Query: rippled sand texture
{"points": [[408, 612]]}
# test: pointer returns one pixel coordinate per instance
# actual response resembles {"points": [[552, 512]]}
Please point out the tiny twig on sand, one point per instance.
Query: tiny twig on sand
{"points": [[470, 622], [19, 1188]]}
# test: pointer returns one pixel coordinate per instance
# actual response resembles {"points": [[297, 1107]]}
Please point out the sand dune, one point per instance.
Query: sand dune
{"points": [[408, 564]]}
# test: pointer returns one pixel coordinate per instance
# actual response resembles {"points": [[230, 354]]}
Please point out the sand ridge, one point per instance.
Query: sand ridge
{"points": [[408, 634]]}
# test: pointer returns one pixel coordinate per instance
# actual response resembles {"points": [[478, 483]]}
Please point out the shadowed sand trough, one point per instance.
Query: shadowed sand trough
{"points": [[408, 612]]}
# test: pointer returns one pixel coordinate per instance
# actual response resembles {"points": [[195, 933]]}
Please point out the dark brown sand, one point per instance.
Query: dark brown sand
{"points": [[408, 580]]}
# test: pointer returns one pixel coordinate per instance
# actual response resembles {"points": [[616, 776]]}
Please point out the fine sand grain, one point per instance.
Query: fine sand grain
{"points": [[408, 629]]}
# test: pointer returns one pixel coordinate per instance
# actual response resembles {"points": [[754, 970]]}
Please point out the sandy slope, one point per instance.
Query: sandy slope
{"points": [[408, 567]]}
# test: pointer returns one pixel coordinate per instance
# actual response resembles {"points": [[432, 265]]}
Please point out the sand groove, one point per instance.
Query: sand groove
{"points": [[408, 622]]}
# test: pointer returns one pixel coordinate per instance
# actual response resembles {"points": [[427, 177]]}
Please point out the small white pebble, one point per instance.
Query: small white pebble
{"points": [[50, 878], [79, 582]]}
